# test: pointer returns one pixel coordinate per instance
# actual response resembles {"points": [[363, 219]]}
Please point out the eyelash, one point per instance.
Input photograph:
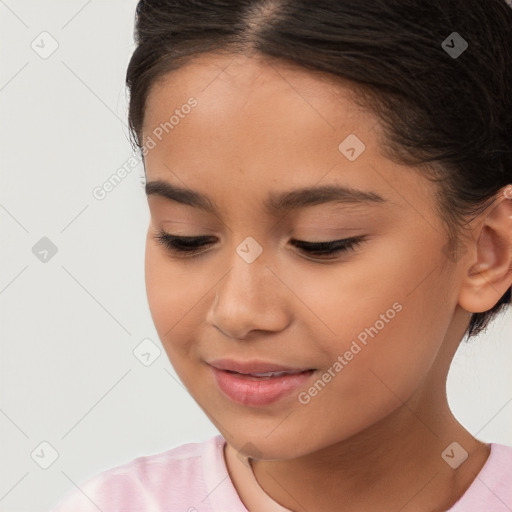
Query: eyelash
{"points": [[189, 245]]}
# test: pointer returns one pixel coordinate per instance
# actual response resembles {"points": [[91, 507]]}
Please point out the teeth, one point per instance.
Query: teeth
{"points": [[273, 374], [268, 374]]}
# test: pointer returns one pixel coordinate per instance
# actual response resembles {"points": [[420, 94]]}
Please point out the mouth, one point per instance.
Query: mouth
{"points": [[266, 375], [255, 367], [257, 383]]}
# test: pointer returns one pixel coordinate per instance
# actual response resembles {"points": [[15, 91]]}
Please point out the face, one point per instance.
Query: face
{"points": [[356, 328]]}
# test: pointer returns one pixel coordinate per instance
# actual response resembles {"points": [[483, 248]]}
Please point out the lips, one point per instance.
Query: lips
{"points": [[257, 383]]}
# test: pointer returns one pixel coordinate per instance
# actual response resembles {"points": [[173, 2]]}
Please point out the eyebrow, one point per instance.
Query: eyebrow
{"points": [[276, 203]]}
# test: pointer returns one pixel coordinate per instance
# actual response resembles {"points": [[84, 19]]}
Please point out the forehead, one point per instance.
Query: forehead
{"points": [[227, 82], [251, 110], [261, 126]]}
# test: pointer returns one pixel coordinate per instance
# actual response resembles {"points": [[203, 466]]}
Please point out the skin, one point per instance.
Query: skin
{"points": [[372, 438]]}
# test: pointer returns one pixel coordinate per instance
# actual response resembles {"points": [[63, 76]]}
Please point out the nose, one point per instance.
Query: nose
{"points": [[250, 297]]}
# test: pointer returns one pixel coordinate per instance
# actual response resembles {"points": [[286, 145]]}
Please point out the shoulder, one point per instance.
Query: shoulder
{"points": [[497, 472], [492, 487], [150, 482]]}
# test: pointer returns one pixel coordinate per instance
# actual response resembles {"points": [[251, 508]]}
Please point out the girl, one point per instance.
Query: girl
{"points": [[330, 190]]}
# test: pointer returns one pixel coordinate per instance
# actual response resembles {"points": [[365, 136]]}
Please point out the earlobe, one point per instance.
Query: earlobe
{"points": [[489, 275]]}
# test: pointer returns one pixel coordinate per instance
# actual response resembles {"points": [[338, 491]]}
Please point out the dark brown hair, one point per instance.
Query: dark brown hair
{"points": [[448, 115]]}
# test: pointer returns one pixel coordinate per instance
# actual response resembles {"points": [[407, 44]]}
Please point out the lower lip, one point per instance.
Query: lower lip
{"points": [[258, 391]]}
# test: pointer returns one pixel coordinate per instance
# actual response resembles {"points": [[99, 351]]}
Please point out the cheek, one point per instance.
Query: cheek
{"points": [[160, 300], [178, 301], [387, 332], [170, 293]]}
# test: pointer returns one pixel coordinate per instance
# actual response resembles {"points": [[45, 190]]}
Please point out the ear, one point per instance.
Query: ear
{"points": [[489, 272]]}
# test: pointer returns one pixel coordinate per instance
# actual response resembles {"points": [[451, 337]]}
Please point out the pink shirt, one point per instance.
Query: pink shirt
{"points": [[194, 478]]}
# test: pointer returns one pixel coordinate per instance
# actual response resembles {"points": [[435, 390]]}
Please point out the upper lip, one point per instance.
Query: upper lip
{"points": [[251, 367]]}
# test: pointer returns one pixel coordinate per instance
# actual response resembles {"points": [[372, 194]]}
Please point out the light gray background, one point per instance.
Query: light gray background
{"points": [[70, 324]]}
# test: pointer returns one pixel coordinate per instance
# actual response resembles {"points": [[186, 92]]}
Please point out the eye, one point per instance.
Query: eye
{"points": [[330, 248], [190, 245], [182, 244]]}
